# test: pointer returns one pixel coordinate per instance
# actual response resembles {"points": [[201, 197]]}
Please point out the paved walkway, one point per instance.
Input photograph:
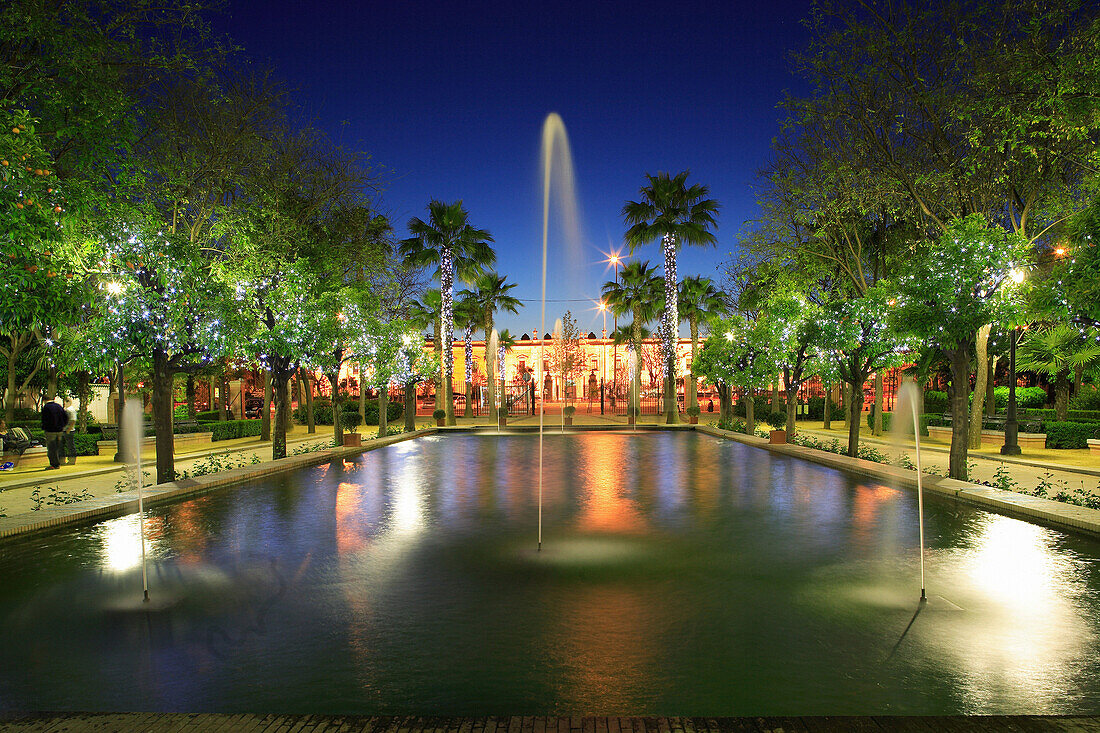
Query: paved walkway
{"points": [[219, 723]]}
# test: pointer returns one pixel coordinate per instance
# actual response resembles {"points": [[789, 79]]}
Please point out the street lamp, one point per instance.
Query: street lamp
{"points": [[1012, 425]]}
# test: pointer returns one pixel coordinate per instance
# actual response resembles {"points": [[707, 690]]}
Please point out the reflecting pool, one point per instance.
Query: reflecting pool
{"points": [[680, 574]]}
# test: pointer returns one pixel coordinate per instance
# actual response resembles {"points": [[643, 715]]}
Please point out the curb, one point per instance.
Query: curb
{"points": [[1048, 512], [53, 517]]}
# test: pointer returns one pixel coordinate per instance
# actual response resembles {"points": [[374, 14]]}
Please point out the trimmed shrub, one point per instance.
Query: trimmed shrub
{"points": [[207, 416], [1070, 434], [759, 407], [777, 420], [233, 429], [85, 443], [322, 411], [935, 401], [351, 420], [1087, 399], [816, 410], [923, 420], [1071, 415]]}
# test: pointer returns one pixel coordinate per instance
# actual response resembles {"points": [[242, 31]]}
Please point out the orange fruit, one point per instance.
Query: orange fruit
{"points": [[19, 206]]}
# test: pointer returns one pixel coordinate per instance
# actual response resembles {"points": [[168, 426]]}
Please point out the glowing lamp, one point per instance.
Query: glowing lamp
{"points": [[1017, 274]]}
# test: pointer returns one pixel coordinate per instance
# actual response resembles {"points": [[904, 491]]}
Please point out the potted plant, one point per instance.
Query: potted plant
{"points": [[778, 421], [440, 416], [631, 415], [693, 414], [568, 413], [502, 417], [350, 422]]}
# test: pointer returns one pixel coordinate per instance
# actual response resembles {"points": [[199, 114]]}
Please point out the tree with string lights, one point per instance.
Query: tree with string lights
{"points": [[676, 214]]}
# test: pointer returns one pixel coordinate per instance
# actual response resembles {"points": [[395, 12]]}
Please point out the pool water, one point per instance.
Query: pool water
{"points": [[680, 574]]}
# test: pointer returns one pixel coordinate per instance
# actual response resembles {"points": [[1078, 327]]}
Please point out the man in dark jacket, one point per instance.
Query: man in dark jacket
{"points": [[54, 420]]}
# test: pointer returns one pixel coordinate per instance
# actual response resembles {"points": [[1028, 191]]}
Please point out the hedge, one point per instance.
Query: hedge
{"points": [[322, 412], [85, 443], [207, 416], [233, 429], [1070, 434], [1087, 399], [1071, 415], [816, 409], [925, 419]]}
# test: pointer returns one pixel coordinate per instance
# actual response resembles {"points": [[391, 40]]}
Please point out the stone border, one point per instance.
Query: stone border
{"points": [[53, 517], [1056, 514]]}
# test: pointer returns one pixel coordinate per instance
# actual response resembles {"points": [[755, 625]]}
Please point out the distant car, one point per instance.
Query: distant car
{"points": [[253, 407]]}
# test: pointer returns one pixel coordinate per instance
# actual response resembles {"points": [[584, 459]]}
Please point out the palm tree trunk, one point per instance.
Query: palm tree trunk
{"points": [[1062, 386], [468, 355], [446, 284], [490, 367], [692, 396], [636, 386], [672, 326]]}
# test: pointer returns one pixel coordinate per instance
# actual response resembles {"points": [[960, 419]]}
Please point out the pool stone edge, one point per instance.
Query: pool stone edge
{"points": [[1048, 512], [51, 518]]}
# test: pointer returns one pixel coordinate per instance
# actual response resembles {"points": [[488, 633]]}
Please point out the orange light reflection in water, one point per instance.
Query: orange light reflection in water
{"points": [[606, 508]]}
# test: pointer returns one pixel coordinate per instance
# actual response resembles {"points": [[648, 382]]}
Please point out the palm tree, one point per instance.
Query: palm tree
{"points": [[637, 292], [1056, 352], [492, 295], [505, 341], [423, 313], [699, 300], [448, 240], [676, 214], [468, 317]]}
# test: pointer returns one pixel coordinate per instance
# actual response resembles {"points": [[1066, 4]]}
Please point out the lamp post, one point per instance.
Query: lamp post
{"points": [[1012, 426]]}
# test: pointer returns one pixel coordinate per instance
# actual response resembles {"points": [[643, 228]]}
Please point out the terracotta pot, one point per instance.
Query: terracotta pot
{"points": [[440, 422], [693, 419], [352, 440], [777, 437], [630, 420], [569, 422], [502, 419]]}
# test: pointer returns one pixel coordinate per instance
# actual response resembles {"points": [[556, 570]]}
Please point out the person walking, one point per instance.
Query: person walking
{"points": [[54, 420], [70, 433]]}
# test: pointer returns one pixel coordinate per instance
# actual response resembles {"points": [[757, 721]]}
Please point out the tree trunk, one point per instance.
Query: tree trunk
{"points": [[959, 361], [162, 378], [383, 404], [750, 413], [1062, 386], [120, 445], [223, 412], [855, 412], [190, 390], [977, 405], [847, 390], [278, 383], [990, 395], [212, 405], [410, 407], [725, 409], [51, 383], [362, 397], [774, 407], [82, 380], [337, 401], [792, 409], [879, 402], [9, 391], [1078, 379], [826, 416], [265, 412], [311, 425]]}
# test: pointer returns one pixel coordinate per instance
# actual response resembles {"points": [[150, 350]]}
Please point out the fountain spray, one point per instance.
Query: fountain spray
{"points": [[132, 427]]}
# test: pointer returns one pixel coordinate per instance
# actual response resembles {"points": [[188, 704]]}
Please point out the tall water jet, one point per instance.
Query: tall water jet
{"points": [[498, 398], [556, 158], [633, 407], [132, 423], [908, 395]]}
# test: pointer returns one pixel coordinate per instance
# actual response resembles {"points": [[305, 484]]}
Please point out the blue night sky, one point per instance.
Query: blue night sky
{"points": [[450, 99]]}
